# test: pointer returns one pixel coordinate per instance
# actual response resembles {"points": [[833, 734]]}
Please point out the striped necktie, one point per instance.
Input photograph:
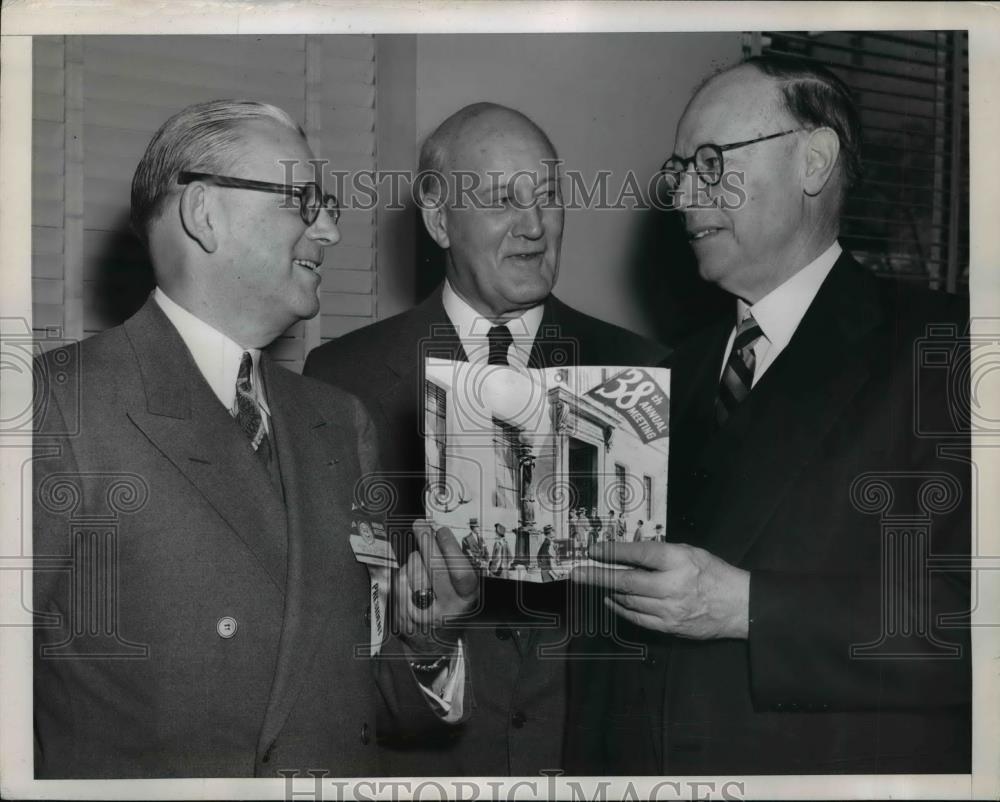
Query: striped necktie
{"points": [[737, 378], [500, 340], [248, 414]]}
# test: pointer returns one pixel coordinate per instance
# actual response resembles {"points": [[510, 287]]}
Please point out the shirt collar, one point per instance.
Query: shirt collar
{"points": [[217, 356], [472, 327], [780, 311]]}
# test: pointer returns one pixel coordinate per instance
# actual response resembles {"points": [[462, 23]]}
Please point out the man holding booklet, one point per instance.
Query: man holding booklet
{"points": [[502, 247]]}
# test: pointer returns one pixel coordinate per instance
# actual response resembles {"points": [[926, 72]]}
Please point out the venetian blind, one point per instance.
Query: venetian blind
{"points": [[98, 101], [909, 217], [48, 168]]}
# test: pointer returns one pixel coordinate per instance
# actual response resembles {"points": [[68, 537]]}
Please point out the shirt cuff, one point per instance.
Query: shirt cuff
{"points": [[447, 691]]}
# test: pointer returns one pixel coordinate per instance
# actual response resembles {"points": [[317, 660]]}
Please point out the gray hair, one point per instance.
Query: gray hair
{"points": [[817, 98], [435, 154], [200, 138]]}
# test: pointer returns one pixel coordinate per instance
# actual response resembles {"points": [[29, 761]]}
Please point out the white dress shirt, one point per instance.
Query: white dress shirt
{"points": [[217, 357], [473, 327], [780, 311]]}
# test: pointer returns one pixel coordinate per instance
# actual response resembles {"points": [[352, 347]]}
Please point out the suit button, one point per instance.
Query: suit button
{"points": [[503, 633], [649, 660], [226, 627], [367, 616], [364, 734], [518, 719], [688, 521]]}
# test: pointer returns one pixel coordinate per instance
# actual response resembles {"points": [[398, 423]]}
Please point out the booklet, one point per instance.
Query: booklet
{"points": [[529, 467]]}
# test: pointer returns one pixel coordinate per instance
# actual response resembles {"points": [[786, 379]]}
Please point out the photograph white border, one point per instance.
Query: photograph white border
{"points": [[21, 20]]}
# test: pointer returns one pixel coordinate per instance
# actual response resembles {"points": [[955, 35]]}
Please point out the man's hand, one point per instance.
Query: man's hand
{"points": [[438, 565], [673, 588]]}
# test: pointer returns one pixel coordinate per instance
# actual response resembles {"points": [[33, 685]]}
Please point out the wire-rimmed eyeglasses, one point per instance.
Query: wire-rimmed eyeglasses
{"points": [[707, 160]]}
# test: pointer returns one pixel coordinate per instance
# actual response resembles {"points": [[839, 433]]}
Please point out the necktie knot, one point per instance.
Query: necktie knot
{"points": [[737, 376], [243, 376], [500, 340], [248, 412], [747, 334]]}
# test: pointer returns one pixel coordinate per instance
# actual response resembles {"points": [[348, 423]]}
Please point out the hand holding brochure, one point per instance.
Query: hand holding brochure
{"points": [[529, 467]]}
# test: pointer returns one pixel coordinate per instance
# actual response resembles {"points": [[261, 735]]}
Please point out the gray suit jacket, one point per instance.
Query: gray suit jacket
{"points": [[190, 623]]}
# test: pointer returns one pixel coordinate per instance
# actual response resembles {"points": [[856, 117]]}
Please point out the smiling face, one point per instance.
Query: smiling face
{"points": [[268, 266], [751, 249], [503, 257]]}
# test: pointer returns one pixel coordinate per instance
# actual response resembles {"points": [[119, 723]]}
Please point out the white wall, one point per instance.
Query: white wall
{"points": [[607, 101]]}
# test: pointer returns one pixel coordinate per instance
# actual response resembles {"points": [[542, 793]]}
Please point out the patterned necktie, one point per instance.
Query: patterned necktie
{"points": [[248, 414], [737, 378], [500, 340]]}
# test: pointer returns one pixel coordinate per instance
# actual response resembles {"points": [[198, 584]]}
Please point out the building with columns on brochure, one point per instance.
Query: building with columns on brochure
{"points": [[530, 450]]}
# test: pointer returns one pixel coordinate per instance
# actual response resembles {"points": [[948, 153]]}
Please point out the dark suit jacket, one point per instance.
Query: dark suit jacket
{"points": [[792, 488], [150, 503], [518, 707]]}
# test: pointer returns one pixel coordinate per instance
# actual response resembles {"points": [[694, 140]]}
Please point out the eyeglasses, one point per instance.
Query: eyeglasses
{"points": [[310, 195], [707, 161]]}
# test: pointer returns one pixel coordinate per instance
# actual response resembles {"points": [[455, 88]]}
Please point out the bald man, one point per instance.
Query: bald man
{"points": [[502, 245], [794, 621]]}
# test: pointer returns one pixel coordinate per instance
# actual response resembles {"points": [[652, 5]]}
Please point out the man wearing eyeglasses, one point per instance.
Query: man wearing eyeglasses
{"points": [[201, 612], [795, 621]]}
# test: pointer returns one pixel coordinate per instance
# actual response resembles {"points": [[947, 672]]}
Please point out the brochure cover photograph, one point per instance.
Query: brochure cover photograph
{"points": [[529, 467]]}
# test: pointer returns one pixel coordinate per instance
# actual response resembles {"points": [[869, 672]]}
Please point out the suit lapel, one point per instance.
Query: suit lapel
{"points": [[697, 366], [181, 416], [428, 333], [549, 333], [318, 472], [766, 443]]}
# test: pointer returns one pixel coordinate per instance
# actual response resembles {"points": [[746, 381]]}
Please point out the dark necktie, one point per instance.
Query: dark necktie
{"points": [[737, 378], [500, 339], [248, 414]]}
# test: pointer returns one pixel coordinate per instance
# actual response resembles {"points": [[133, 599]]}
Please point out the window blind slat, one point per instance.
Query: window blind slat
{"points": [[46, 241], [348, 257], [912, 99], [47, 51], [128, 78], [863, 70], [349, 70], [282, 54], [338, 279], [821, 45], [47, 107], [912, 39]]}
